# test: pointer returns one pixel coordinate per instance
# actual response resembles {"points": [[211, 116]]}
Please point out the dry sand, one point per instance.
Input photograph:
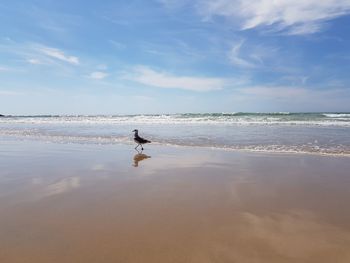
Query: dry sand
{"points": [[91, 203]]}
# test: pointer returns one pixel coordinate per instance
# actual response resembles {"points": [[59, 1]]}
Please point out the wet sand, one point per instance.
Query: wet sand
{"points": [[107, 203]]}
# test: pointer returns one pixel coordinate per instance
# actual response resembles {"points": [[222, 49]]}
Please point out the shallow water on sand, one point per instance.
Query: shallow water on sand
{"points": [[108, 203]]}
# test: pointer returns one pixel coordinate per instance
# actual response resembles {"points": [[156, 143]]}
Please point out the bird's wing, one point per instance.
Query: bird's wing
{"points": [[142, 140]]}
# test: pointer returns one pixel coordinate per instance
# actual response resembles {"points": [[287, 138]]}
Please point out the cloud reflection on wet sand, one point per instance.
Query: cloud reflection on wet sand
{"points": [[193, 206]]}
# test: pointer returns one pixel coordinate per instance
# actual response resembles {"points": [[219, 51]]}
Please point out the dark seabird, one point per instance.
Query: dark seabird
{"points": [[139, 140]]}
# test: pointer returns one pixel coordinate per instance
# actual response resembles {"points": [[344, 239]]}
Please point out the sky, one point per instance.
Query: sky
{"points": [[174, 56]]}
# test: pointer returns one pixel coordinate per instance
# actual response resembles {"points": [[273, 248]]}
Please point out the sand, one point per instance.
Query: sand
{"points": [[108, 203]]}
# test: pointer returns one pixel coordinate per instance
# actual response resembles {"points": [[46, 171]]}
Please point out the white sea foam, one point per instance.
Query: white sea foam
{"points": [[337, 115], [191, 119], [321, 133], [309, 148]]}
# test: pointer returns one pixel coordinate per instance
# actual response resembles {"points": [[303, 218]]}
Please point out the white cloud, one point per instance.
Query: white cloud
{"points": [[36, 53], [254, 56], [143, 98], [10, 69], [234, 56], [291, 16], [172, 3], [59, 54], [34, 61], [291, 98], [98, 75], [275, 91], [296, 93], [102, 67], [150, 77], [117, 45], [11, 93], [4, 68]]}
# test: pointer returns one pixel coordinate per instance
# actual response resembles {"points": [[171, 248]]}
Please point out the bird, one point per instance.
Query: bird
{"points": [[139, 140]]}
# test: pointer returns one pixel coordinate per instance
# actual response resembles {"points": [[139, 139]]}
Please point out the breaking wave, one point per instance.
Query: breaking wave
{"points": [[281, 132], [238, 118]]}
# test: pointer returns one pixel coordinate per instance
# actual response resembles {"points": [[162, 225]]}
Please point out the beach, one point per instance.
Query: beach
{"points": [[175, 131], [78, 202]]}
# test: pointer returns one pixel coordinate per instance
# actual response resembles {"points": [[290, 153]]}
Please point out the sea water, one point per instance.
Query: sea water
{"points": [[316, 133]]}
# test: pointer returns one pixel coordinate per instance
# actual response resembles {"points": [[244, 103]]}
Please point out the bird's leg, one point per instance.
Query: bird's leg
{"points": [[137, 146]]}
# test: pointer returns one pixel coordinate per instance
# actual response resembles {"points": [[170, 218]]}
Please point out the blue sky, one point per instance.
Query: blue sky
{"points": [[167, 56]]}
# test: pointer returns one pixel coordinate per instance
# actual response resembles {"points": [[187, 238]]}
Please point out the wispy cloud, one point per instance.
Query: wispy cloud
{"points": [[98, 75], [291, 98], [12, 69], [172, 3], [297, 93], [59, 54], [252, 56], [143, 98], [296, 17], [101, 66], [275, 91], [160, 79], [3, 68], [295, 79], [35, 61], [11, 93], [37, 53], [236, 59], [53, 21], [118, 45]]}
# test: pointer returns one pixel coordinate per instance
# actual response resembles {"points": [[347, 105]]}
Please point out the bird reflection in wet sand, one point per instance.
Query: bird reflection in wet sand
{"points": [[139, 157]]}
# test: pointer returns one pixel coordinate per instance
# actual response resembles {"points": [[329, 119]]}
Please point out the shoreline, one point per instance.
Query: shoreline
{"points": [[158, 144]]}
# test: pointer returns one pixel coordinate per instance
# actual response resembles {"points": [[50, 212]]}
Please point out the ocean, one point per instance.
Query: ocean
{"points": [[282, 132]]}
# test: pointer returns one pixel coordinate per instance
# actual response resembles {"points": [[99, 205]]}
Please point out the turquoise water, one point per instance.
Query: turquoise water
{"points": [[317, 133]]}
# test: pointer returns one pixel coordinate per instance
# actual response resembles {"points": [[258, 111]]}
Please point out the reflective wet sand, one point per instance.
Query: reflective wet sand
{"points": [[90, 203]]}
